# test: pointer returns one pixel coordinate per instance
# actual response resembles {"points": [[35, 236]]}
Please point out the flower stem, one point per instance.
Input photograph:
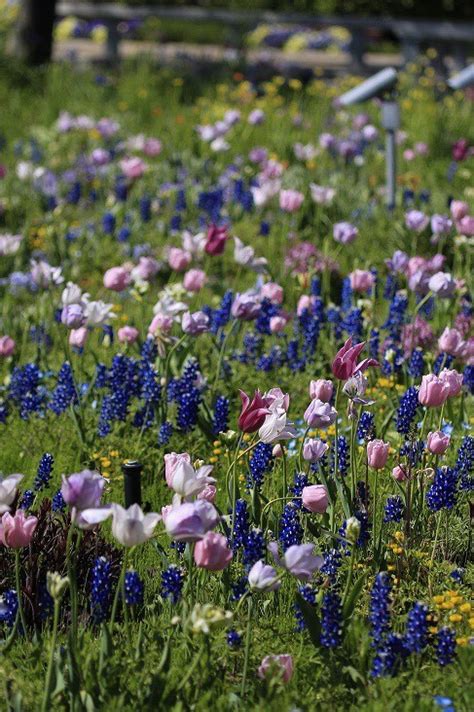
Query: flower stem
{"points": [[45, 707], [19, 591], [349, 575], [248, 638], [119, 589]]}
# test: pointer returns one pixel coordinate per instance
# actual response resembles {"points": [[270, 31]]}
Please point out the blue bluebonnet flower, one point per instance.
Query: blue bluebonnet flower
{"points": [[309, 594], [300, 480], [164, 434], [458, 575], [234, 639], [353, 323], [264, 228], [108, 223], [25, 390], [332, 562], [8, 607], [465, 463], [396, 316], [366, 426], [45, 602], [260, 462], [239, 588], [389, 656], [212, 202], [331, 620], [187, 395], [241, 524], [43, 473], [468, 379], [445, 646], [315, 287], [346, 294], [221, 415], [3, 412], [342, 457], [374, 343], [445, 703], [407, 409], [253, 548], [443, 490], [291, 531], [172, 580], [65, 393], [417, 633], [134, 589], [58, 504], [394, 509], [380, 604], [27, 499], [145, 208], [180, 203], [416, 364], [333, 316], [101, 590], [413, 451], [221, 316], [391, 286], [267, 310], [123, 234]]}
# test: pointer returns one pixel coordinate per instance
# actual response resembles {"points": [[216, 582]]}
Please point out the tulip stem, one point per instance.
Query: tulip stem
{"points": [[221, 356], [349, 575], [375, 503], [248, 638], [119, 589], [285, 474], [49, 674], [19, 591], [435, 544], [71, 567], [233, 469]]}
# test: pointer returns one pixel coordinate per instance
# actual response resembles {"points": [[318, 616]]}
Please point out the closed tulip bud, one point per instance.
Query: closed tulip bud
{"points": [[278, 666], [7, 346], [117, 279], [56, 585], [253, 413], [131, 526], [453, 380], [438, 442], [322, 389], [399, 473], [127, 334], [212, 552], [377, 453], [315, 498], [352, 529]]}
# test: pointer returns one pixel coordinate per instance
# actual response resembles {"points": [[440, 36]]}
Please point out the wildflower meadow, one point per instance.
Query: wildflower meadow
{"points": [[235, 393]]}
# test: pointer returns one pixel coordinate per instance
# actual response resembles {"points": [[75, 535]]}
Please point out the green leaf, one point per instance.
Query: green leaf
{"points": [[354, 595], [311, 620]]}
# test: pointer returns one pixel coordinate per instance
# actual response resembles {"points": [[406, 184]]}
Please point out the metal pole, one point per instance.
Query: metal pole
{"points": [[132, 489], [391, 122]]}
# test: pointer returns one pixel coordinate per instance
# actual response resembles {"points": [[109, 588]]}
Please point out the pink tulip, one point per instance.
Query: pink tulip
{"points": [[208, 493], [172, 461], [128, 334], [281, 664], [273, 292], [345, 363], [161, 323], [315, 498], [152, 147], [17, 531], [117, 279], [278, 324], [179, 259], [377, 454], [7, 346], [132, 167], [305, 302], [146, 268], [361, 280], [78, 337], [466, 225], [459, 209], [291, 200], [433, 391], [195, 324], [253, 413], [451, 342], [453, 380], [194, 280], [212, 552], [438, 442], [322, 389], [399, 474]]}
